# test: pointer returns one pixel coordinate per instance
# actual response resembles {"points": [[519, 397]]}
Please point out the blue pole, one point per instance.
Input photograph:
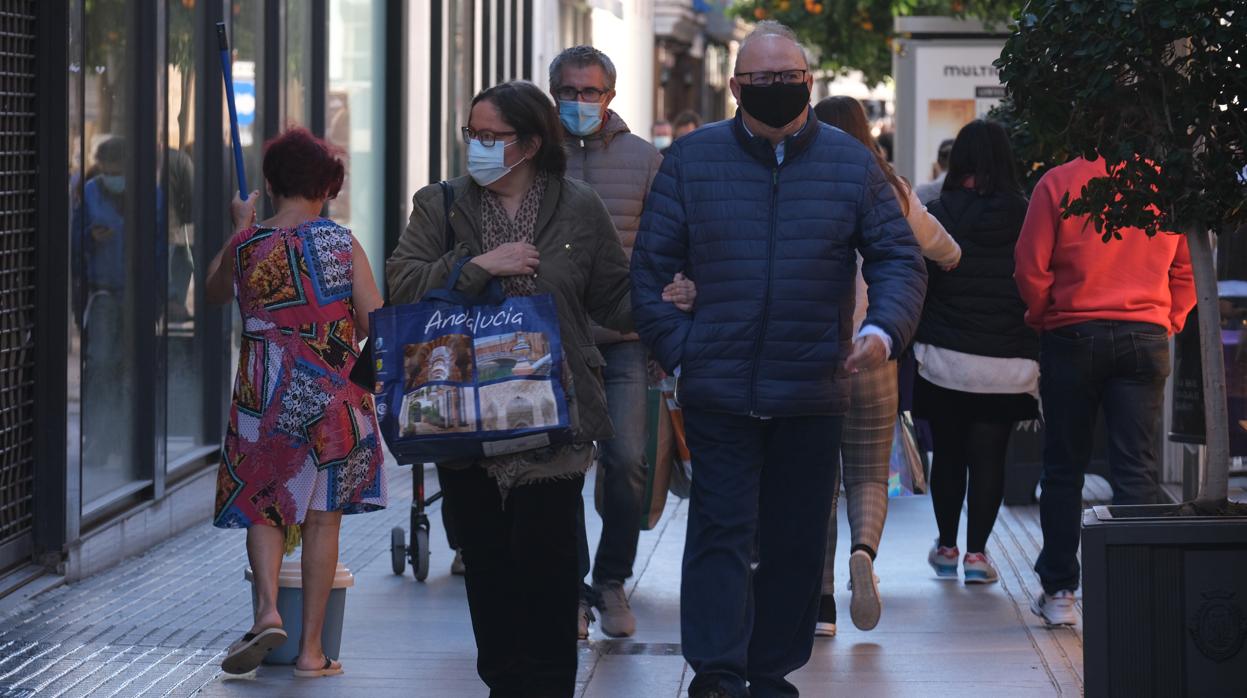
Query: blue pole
{"points": [[227, 72]]}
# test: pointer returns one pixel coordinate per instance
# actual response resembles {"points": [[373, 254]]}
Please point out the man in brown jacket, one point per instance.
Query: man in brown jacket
{"points": [[619, 166]]}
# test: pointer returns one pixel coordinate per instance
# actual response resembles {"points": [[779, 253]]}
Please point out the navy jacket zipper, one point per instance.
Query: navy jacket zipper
{"points": [[766, 297]]}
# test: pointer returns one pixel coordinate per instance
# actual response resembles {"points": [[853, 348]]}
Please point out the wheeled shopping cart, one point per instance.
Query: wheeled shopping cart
{"points": [[417, 553]]}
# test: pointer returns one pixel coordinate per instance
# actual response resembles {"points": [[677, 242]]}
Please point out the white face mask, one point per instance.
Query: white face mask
{"points": [[661, 142], [487, 165]]}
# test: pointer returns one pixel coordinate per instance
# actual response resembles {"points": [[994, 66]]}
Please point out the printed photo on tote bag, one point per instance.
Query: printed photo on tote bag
{"points": [[465, 378]]}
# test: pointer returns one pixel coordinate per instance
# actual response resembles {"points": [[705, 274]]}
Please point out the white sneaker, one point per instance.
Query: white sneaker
{"points": [[943, 560], [979, 569], [1056, 609], [826, 625], [865, 607]]}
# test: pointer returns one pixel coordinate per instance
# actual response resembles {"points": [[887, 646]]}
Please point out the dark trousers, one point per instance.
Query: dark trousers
{"points": [[1122, 367], [521, 580], [774, 478], [969, 468], [621, 465]]}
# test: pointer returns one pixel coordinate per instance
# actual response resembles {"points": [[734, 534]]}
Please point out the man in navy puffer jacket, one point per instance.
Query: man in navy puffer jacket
{"points": [[766, 214]]}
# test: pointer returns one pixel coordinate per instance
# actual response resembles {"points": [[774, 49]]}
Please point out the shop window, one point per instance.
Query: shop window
{"points": [[104, 293], [354, 119]]}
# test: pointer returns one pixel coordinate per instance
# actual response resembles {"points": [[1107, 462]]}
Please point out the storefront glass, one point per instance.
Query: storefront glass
{"points": [[104, 259], [297, 66], [354, 118], [187, 258]]}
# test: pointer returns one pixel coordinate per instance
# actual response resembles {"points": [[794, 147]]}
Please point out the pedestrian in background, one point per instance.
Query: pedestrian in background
{"points": [[663, 134], [866, 445], [1105, 313], [521, 220], [619, 166], [977, 369], [287, 460], [686, 122], [930, 191], [766, 213]]}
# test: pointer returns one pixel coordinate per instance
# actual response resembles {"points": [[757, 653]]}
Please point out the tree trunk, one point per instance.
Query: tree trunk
{"points": [[1214, 485]]}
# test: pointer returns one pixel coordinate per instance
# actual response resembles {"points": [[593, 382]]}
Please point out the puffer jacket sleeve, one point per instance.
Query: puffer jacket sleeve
{"points": [[896, 276], [661, 251], [421, 261]]}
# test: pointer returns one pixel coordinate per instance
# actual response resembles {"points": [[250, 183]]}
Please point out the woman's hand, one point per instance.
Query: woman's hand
{"points": [[681, 292], [511, 259], [243, 212]]}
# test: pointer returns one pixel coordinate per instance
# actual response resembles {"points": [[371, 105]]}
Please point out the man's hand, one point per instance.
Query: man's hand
{"points": [[869, 351], [511, 259], [681, 292]]}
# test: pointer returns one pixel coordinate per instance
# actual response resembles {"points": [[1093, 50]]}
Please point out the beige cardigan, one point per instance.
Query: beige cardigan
{"points": [[936, 244]]}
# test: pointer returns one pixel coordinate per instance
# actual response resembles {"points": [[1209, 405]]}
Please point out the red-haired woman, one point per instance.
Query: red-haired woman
{"points": [[302, 447]]}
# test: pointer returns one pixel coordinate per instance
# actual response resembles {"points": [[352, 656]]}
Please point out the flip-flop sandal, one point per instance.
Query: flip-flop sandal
{"points": [[332, 668], [246, 654]]}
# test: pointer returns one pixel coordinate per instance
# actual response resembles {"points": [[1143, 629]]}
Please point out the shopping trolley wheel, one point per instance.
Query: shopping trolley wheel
{"points": [[398, 550], [420, 554]]}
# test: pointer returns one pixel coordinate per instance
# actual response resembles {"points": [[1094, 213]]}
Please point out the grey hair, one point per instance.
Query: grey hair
{"points": [[769, 27], [580, 57]]}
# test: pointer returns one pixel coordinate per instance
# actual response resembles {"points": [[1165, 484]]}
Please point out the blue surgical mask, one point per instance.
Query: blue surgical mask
{"points": [[487, 165], [113, 183], [662, 142], [580, 118]]}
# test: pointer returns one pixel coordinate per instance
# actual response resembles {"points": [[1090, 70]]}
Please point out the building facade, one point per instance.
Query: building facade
{"points": [[695, 44], [115, 374]]}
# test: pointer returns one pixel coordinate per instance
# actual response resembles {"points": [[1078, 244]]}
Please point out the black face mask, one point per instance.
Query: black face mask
{"points": [[775, 105]]}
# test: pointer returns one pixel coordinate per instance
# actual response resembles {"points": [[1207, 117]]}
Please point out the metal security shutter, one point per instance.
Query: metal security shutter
{"points": [[18, 209]]}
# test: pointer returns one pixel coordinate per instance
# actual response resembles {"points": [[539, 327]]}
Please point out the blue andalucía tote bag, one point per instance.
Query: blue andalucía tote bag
{"points": [[462, 378]]}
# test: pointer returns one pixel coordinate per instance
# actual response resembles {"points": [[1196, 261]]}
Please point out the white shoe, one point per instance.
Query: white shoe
{"points": [[979, 569], [865, 606], [943, 560], [1056, 609], [826, 625]]}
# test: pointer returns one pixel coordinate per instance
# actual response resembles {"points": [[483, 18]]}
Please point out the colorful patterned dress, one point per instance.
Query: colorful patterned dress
{"points": [[301, 435]]}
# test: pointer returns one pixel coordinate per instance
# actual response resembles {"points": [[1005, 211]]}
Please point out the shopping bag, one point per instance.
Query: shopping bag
{"points": [[659, 448], [907, 465], [681, 480], [463, 378]]}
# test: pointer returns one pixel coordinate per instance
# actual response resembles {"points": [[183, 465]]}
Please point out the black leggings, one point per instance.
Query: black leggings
{"points": [[963, 445]]}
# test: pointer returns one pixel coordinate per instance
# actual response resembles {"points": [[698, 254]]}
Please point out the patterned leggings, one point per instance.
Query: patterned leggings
{"points": [[865, 449]]}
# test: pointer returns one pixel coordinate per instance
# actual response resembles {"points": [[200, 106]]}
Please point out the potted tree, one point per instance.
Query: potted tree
{"points": [[1159, 90]]}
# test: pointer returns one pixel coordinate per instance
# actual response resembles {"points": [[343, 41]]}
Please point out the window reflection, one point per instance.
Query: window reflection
{"points": [[297, 65], [184, 345], [354, 115], [102, 254]]}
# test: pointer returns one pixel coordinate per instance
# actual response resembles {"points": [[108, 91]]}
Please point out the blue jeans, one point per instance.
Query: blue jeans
{"points": [[1122, 367], [620, 464], [771, 478]]}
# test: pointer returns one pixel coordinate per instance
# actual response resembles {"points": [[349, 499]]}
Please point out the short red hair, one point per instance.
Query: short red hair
{"points": [[298, 164]]}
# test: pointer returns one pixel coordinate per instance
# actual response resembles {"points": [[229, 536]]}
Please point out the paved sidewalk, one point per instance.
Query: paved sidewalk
{"points": [[157, 624]]}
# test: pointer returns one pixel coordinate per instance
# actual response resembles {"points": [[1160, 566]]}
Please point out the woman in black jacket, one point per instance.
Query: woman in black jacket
{"points": [[978, 371]]}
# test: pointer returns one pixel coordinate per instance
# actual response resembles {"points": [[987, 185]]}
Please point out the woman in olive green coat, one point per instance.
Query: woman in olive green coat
{"points": [[521, 220]]}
